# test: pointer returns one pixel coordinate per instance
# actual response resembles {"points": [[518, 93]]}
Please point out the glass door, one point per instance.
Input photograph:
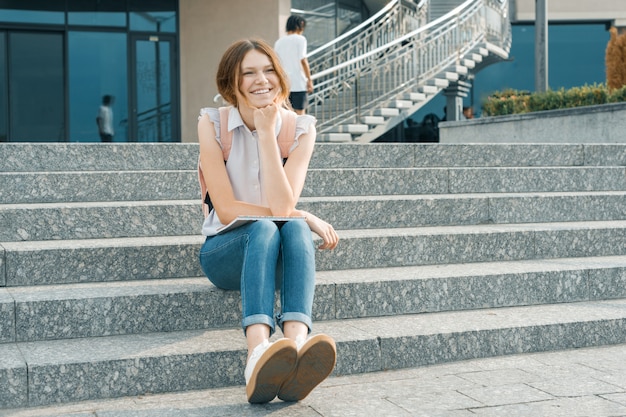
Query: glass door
{"points": [[154, 101]]}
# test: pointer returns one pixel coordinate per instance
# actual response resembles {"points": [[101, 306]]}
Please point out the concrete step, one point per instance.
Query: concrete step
{"points": [[389, 155], [75, 186], [55, 221], [142, 219], [105, 309], [373, 120], [351, 128], [469, 63], [401, 104], [429, 89], [438, 82], [335, 137], [414, 97], [451, 76], [40, 373], [386, 112], [29, 157], [411, 176], [125, 259], [396, 181], [55, 160]]}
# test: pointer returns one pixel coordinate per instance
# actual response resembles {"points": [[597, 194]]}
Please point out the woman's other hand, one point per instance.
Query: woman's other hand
{"points": [[322, 229]]}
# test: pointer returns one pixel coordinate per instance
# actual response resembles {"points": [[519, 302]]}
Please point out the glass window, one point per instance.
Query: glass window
{"points": [[321, 22], [4, 104], [97, 12], [154, 99], [153, 16], [33, 11], [37, 86], [97, 67]]}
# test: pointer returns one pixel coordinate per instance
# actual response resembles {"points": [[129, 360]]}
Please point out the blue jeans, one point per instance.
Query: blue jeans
{"points": [[259, 258]]}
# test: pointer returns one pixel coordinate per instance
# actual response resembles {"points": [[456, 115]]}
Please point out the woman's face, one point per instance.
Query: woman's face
{"points": [[259, 83]]}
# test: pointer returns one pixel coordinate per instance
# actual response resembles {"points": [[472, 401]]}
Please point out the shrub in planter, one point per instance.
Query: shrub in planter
{"points": [[517, 102]]}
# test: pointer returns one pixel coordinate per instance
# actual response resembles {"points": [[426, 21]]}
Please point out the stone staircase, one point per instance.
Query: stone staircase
{"points": [[448, 252]]}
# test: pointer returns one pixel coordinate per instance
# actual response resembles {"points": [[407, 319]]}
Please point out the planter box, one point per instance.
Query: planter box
{"points": [[590, 124]]}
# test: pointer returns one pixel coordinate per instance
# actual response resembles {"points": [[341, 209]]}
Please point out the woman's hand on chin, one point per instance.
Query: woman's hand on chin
{"points": [[265, 118]]}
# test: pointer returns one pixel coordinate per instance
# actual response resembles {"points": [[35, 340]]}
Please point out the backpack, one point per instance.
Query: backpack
{"points": [[286, 138]]}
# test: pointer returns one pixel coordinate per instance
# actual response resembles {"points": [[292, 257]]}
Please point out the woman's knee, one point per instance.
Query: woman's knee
{"points": [[263, 232], [297, 233]]}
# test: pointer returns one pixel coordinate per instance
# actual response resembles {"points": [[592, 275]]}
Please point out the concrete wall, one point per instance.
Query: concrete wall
{"points": [[207, 28], [564, 10], [590, 124]]}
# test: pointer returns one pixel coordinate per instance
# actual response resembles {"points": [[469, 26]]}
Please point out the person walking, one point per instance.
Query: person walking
{"points": [[105, 119], [244, 171], [292, 50]]}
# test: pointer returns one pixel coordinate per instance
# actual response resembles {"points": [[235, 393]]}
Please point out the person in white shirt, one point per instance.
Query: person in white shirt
{"points": [[292, 52], [105, 119], [261, 256]]}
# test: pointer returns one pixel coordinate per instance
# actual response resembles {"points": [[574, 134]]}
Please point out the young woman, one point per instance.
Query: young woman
{"points": [[262, 256]]}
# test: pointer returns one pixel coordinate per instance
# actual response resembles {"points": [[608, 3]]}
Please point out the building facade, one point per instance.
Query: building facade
{"points": [[157, 59]]}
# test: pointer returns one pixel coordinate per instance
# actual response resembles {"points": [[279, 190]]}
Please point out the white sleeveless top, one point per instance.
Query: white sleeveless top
{"points": [[243, 166]]}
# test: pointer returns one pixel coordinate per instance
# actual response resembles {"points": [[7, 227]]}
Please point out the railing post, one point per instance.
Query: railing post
{"points": [[357, 96]]}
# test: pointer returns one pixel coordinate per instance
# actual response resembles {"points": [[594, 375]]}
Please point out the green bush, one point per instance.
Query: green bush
{"points": [[517, 102]]}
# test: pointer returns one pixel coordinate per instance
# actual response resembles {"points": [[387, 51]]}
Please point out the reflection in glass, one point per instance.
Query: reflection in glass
{"points": [[154, 100], [4, 103], [32, 11], [97, 67], [36, 90], [97, 12], [320, 15], [153, 16], [153, 21]]}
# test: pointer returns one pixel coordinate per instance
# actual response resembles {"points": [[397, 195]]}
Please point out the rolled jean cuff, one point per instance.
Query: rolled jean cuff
{"points": [[300, 317], [258, 319]]}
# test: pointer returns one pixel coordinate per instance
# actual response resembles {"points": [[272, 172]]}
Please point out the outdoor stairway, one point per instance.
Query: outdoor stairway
{"points": [[447, 252]]}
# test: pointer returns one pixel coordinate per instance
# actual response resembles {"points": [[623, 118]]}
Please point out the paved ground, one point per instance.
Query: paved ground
{"points": [[584, 382]]}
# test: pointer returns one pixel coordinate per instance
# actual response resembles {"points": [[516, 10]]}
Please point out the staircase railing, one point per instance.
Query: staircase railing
{"points": [[358, 81], [397, 18]]}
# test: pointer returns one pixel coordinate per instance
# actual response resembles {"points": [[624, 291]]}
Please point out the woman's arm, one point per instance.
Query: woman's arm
{"points": [[282, 184]]}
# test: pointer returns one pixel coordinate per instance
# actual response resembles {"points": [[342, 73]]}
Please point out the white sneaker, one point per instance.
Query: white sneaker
{"points": [[268, 367], [317, 357]]}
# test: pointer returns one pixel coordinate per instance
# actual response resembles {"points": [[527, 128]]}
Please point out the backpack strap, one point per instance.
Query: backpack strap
{"points": [[287, 135], [226, 136], [286, 138]]}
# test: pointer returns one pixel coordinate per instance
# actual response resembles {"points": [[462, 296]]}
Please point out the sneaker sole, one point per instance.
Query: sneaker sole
{"points": [[276, 364], [316, 360]]}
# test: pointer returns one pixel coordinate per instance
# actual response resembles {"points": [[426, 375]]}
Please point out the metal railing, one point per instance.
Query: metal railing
{"points": [[397, 18], [363, 77]]}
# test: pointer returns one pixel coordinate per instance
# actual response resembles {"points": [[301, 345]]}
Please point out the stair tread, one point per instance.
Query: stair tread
{"points": [[83, 291], [195, 202], [422, 272], [155, 345], [345, 234]]}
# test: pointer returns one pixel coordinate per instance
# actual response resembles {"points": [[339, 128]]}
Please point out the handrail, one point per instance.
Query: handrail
{"points": [[401, 39], [394, 20], [354, 85], [354, 30]]}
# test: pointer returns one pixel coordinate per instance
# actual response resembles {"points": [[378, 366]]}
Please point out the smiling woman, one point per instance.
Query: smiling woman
{"points": [[263, 179]]}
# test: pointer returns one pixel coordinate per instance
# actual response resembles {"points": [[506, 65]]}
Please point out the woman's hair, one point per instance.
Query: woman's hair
{"points": [[295, 23], [229, 70]]}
